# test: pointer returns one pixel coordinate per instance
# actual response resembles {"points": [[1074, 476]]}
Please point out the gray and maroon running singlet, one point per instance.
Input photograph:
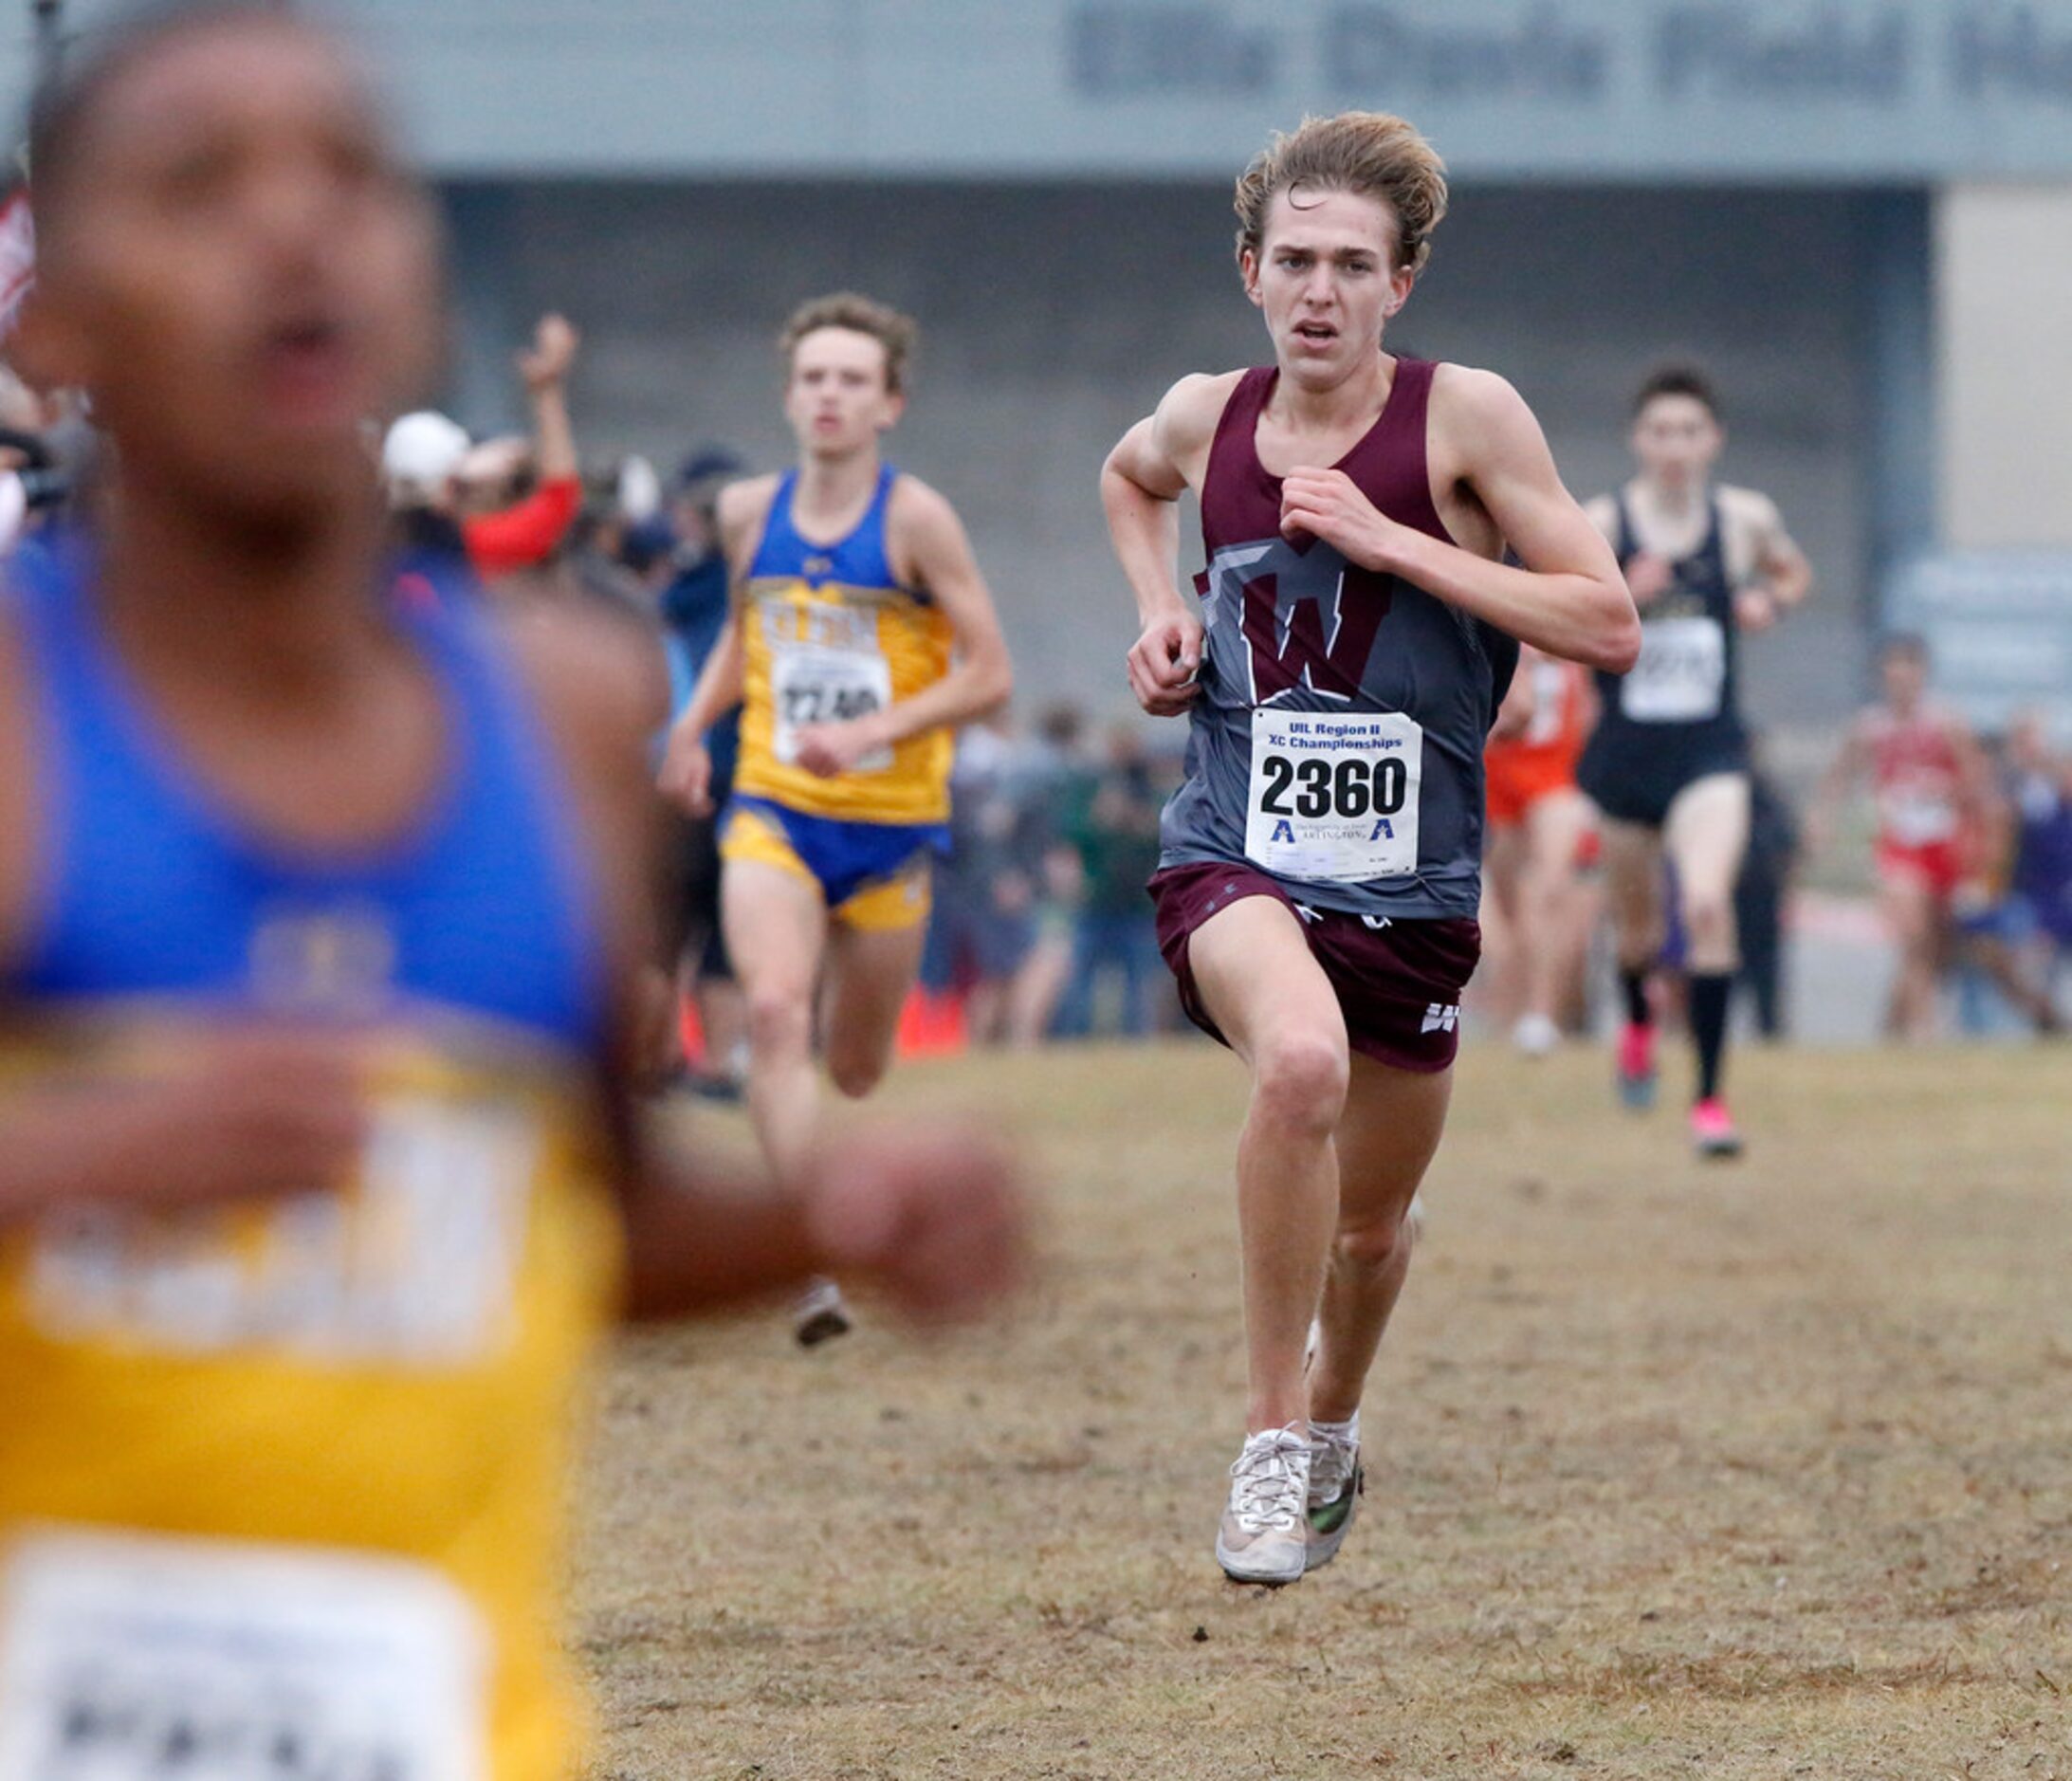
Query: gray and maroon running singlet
{"points": [[1337, 744]]}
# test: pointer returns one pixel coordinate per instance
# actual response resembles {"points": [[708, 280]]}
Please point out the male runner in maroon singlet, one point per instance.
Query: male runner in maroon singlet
{"points": [[1320, 871]]}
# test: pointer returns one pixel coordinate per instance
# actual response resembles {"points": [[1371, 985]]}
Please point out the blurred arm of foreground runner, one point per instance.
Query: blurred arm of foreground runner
{"points": [[248, 1112], [932, 1215], [1151, 465], [1483, 443]]}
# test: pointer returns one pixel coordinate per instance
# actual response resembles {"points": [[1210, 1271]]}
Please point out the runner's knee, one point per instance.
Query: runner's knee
{"points": [[1299, 1080], [1710, 927], [779, 1022], [854, 1071], [1708, 916], [1371, 1244], [1640, 944]]}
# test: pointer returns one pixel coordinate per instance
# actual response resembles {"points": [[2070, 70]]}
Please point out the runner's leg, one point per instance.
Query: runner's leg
{"points": [[1385, 1140], [1633, 890], [870, 973], [1907, 903], [1554, 827], [777, 924], [1633, 893], [1500, 992], [1706, 835], [1258, 982]]}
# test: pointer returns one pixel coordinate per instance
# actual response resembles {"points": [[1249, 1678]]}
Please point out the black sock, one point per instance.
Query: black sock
{"points": [[1635, 986], [1709, 993]]}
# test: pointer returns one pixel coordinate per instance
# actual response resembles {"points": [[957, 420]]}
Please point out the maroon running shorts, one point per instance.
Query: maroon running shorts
{"points": [[1397, 984]]}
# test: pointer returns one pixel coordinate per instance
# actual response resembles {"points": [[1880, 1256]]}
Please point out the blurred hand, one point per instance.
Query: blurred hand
{"points": [[827, 750], [934, 1217], [546, 363], [251, 1113], [686, 778], [1755, 609], [1164, 663], [1649, 577]]}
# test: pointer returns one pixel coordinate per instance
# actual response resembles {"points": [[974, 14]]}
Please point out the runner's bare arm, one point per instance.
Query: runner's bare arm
{"points": [[1782, 576], [685, 774], [544, 366], [1977, 787], [1648, 577], [1851, 762], [931, 551], [932, 541], [1569, 599], [1603, 512], [240, 1115], [1151, 465], [933, 1217]]}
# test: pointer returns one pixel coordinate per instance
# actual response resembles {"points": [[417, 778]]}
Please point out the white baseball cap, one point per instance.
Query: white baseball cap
{"points": [[423, 449]]}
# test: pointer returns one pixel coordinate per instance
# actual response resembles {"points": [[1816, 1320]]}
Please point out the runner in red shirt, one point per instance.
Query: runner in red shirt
{"points": [[1930, 777], [1532, 927]]}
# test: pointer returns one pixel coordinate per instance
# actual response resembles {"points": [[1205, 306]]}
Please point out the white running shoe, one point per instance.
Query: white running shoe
{"points": [[821, 1314], [1535, 1035], [1264, 1536], [1336, 1483]]}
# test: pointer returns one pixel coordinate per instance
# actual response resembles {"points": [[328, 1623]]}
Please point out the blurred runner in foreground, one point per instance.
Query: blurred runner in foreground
{"points": [[317, 919]]}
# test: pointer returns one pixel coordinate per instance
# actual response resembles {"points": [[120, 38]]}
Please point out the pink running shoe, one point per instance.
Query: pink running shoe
{"points": [[1712, 1130], [1637, 1066]]}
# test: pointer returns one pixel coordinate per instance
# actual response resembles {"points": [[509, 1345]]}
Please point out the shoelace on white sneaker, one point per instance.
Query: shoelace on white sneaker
{"points": [[1332, 1459], [1268, 1491]]}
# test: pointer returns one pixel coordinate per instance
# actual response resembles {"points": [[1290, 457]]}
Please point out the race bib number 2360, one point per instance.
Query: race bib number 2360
{"points": [[1333, 796]]}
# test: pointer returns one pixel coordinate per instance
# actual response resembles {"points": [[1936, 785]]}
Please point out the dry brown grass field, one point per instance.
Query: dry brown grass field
{"points": [[1762, 1470]]}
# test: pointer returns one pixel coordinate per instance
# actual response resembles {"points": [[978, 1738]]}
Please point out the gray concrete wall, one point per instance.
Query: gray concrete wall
{"points": [[2004, 287], [1642, 90], [1053, 316]]}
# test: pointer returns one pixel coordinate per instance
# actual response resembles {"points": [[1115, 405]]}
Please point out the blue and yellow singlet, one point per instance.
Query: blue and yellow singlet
{"points": [[828, 634], [283, 1482]]}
